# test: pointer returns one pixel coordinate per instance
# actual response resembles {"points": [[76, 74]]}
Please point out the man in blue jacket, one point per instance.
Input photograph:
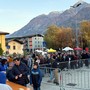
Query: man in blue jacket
{"points": [[2, 77], [36, 77]]}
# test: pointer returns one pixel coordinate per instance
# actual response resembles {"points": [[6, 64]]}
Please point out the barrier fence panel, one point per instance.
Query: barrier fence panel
{"points": [[79, 79], [75, 76]]}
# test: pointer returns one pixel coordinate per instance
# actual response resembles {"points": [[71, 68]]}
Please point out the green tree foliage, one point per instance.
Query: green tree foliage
{"points": [[58, 37], [1, 50]]}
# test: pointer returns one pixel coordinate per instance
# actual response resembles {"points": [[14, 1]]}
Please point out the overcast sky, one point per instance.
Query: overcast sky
{"points": [[14, 14]]}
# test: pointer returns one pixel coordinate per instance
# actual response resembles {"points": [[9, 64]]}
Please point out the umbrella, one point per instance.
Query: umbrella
{"points": [[67, 49], [77, 48], [51, 50]]}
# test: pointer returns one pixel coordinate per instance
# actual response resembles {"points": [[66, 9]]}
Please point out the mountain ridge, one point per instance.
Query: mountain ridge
{"points": [[67, 18]]}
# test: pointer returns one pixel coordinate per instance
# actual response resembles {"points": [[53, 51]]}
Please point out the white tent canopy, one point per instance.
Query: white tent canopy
{"points": [[67, 49], [40, 51]]}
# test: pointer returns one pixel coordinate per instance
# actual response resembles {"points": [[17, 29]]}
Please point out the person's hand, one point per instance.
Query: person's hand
{"points": [[20, 75], [16, 77]]}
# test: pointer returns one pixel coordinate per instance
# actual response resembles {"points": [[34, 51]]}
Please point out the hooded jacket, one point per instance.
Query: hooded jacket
{"points": [[36, 77]]}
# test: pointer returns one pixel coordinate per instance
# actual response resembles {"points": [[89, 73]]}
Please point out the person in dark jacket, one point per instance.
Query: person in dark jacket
{"points": [[85, 57], [19, 73], [10, 75], [55, 66], [35, 77]]}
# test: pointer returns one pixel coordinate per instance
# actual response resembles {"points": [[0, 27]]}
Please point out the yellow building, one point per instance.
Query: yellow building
{"points": [[2, 40], [15, 46]]}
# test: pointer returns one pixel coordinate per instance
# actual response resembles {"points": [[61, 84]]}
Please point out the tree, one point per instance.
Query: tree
{"points": [[58, 37], [1, 50], [65, 37], [50, 36], [85, 33]]}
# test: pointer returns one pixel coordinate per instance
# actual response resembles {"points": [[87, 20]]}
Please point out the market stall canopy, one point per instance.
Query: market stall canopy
{"points": [[67, 49], [77, 48], [40, 51], [51, 50]]}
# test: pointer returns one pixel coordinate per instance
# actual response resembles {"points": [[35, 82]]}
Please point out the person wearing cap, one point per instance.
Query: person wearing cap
{"points": [[19, 72], [35, 77]]}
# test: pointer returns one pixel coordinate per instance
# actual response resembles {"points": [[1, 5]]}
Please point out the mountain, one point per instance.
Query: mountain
{"points": [[68, 18]]}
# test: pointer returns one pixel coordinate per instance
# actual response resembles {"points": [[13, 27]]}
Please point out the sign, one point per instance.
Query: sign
{"points": [[44, 44], [8, 47]]}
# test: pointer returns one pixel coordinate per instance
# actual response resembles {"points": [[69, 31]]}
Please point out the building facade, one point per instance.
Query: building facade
{"points": [[33, 43], [2, 40], [15, 46], [30, 43]]}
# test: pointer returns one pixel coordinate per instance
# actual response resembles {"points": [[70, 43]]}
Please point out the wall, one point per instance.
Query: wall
{"points": [[2, 41], [18, 47]]}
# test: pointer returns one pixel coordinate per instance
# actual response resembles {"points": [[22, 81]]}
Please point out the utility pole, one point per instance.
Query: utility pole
{"points": [[76, 31]]}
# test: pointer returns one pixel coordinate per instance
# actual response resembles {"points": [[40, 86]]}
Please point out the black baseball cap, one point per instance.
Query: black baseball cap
{"points": [[35, 63], [16, 59]]}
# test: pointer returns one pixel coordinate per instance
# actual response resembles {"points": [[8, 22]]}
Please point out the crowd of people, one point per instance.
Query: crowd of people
{"points": [[18, 70], [26, 69]]}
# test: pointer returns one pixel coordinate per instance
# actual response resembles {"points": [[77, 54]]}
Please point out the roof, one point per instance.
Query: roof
{"points": [[25, 36], [15, 41], [34, 35], [3, 33]]}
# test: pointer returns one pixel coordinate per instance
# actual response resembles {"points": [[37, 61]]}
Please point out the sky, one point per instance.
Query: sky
{"points": [[15, 14]]}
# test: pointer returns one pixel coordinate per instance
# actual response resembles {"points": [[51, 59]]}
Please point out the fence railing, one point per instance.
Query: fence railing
{"points": [[73, 64], [77, 79], [76, 75]]}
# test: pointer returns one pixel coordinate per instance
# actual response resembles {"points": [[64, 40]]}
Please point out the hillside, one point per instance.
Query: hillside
{"points": [[68, 18]]}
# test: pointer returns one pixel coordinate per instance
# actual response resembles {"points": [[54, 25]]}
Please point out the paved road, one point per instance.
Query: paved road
{"points": [[81, 79]]}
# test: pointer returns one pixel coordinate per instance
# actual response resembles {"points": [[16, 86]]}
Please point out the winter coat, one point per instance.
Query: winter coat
{"points": [[36, 77], [10, 75], [17, 70]]}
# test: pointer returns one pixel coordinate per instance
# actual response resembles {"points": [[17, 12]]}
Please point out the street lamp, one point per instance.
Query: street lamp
{"points": [[76, 31]]}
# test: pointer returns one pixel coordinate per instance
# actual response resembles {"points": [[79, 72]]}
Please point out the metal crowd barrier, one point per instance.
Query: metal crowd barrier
{"points": [[46, 71], [74, 64], [74, 78]]}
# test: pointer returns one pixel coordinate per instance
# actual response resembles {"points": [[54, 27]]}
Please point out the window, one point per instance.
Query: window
{"points": [[35, 45], [14, 47]]}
